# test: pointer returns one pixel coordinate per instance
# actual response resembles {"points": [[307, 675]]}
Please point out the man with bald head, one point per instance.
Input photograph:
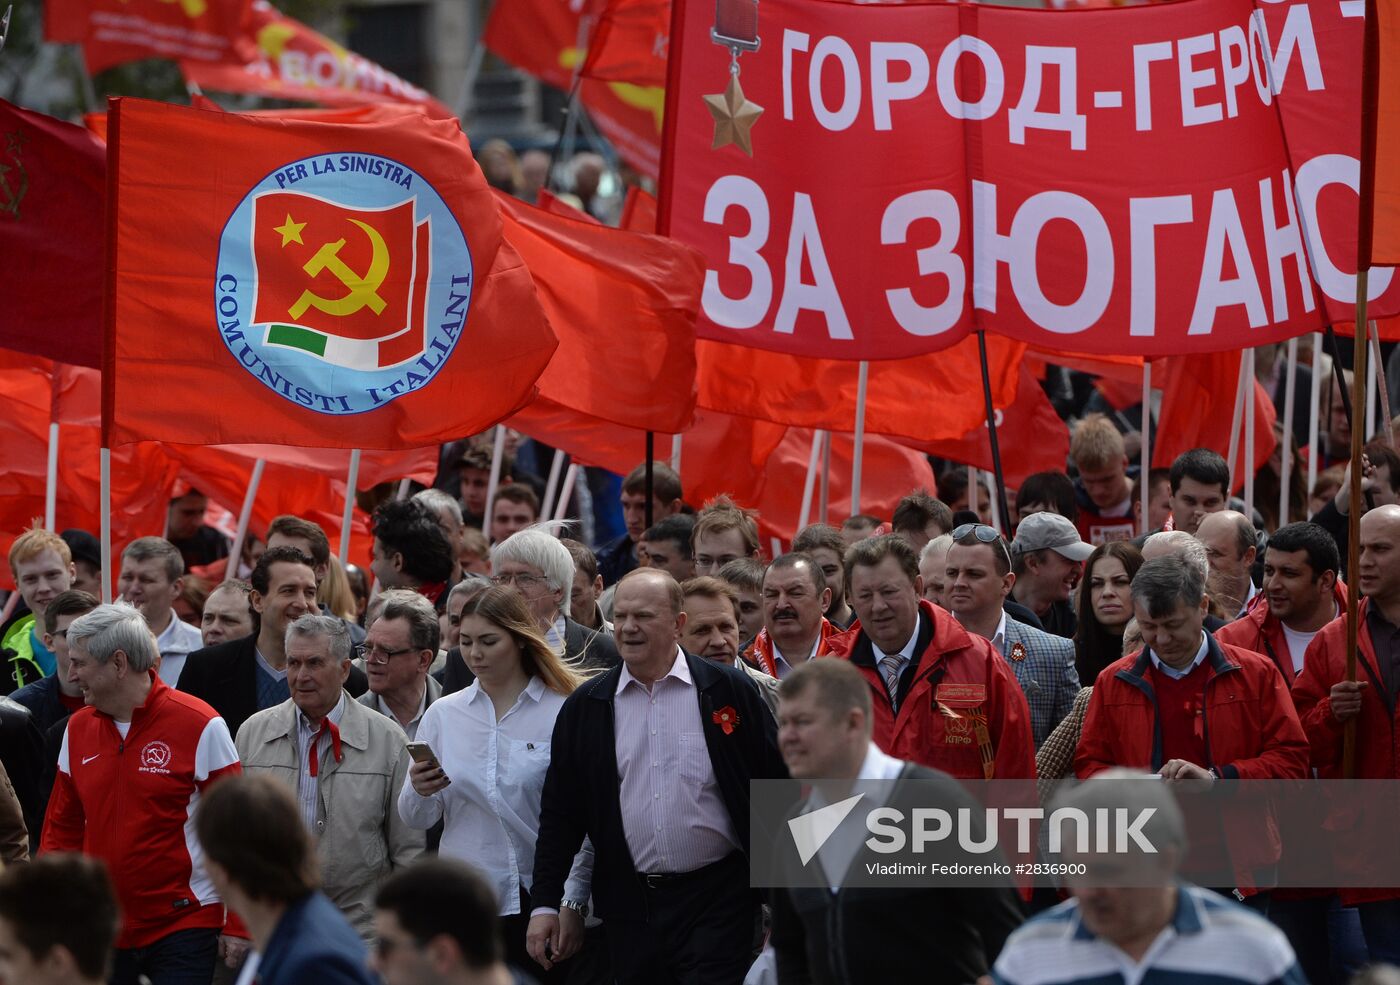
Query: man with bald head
{"points": [[652, 761], [1327, 701], [1228, 538]]}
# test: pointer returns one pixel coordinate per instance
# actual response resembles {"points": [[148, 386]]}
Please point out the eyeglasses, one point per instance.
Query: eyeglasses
{"points": [[984, 535], [373, 653], [524, 582]]}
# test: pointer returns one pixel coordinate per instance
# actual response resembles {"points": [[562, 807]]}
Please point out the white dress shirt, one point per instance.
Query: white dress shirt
{"points": [[308, 786], [409, 727], [673, 816], [1177, 675], [176, 642], [781, 664], [491, 809]]}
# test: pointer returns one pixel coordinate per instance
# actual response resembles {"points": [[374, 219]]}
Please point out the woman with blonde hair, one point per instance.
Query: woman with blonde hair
{"points": [[336, 594], [491, 749]]}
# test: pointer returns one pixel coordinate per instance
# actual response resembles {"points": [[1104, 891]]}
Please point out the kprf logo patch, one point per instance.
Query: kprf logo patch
{"points": [[343, 282]]}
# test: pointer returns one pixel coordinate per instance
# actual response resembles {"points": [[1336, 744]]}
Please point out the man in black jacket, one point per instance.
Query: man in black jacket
{"points": [[652, 761], [836, 933], [244, 676]]}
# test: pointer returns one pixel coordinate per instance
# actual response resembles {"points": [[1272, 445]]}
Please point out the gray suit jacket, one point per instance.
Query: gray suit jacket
{"points": [[1044, 667]]}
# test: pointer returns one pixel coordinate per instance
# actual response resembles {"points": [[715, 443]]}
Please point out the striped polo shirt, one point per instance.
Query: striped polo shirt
{"points": [[1210, 939]]}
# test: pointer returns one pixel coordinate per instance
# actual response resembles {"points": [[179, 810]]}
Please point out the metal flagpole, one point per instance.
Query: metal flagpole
{"points": [[352, 476], [650, 478], [1145, 459], [1369, 430], [1235, 422], [1314, 408], [405, 484], [493, 481], [1247, 382], [862, 382], [998, 475], [51, 479], [825, 505], [245, 515], [567, 492], [1358, 385], [974, 482], [551, 486], [676, 454], [809, 485], [1290, 386], [104, 509]]}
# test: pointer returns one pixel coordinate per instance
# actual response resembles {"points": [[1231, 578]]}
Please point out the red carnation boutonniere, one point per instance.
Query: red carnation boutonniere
{"points": [[727, 719]]}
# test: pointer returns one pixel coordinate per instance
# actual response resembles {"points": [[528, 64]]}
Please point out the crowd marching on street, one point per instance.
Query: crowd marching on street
{"points": [[521, 758]]}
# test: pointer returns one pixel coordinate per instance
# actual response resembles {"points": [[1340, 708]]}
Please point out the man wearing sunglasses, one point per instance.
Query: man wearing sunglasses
{"points": [[941, 695], [978, 579]]}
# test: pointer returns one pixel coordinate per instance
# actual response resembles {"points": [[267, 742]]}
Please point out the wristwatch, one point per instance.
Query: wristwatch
{"points": [[581, 908]]}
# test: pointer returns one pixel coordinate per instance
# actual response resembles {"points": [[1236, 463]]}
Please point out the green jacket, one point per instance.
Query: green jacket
{"points": [[18, 645]]}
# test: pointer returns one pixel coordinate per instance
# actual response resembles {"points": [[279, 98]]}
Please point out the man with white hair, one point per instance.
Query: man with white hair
{"points": [[540, 568], [131, 770]]}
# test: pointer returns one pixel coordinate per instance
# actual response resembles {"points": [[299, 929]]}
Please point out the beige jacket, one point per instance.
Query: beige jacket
{"points": [[359, 835]]}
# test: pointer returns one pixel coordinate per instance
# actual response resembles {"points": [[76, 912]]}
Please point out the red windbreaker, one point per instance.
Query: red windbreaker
{"points": [[1251, 733], [131, 803], [1259, 631], [958, 674]]}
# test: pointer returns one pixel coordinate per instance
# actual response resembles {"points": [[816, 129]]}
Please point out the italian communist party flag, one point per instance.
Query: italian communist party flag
{"points": [[309, 284]]}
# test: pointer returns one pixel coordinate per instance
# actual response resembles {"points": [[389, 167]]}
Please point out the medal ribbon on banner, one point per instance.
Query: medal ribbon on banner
{"points": [[735, 28]]}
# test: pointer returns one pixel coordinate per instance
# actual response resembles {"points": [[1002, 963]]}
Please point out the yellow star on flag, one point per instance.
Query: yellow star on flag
{"points": [[734, 117], [291, 231]]}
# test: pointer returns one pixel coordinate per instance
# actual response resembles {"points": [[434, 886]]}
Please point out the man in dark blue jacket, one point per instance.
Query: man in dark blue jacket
{"points": [[260, 858]]}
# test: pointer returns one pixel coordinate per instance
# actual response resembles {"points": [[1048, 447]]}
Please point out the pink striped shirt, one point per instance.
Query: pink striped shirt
{"points": [[672, 814]]}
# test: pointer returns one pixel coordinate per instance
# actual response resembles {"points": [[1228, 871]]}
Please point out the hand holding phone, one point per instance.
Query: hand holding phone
{"points": [[426, 773]]}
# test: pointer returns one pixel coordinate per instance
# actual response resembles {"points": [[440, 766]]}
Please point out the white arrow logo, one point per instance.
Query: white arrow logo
{"points": [[811, 831]]}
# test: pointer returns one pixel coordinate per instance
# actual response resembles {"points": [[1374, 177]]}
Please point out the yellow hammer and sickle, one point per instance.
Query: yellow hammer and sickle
{"points": [[361, 291]]}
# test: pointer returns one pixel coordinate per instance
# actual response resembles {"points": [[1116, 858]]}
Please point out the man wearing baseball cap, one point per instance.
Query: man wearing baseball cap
{"points": [[1047, 557]]}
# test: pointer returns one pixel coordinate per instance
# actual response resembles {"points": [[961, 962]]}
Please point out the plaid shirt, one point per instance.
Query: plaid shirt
{"points": [[1054, 760]]}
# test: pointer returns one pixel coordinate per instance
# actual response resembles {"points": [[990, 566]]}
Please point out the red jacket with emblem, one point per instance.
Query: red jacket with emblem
{"points": [[131, 803], [1250, 728], [1259, 631], [956, 674]]}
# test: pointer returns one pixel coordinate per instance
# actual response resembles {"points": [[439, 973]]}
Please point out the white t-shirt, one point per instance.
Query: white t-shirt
{"points": [[1298, 645]]}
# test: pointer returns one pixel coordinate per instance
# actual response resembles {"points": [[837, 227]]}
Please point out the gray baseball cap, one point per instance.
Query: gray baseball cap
{"points": [[1042, 531]]}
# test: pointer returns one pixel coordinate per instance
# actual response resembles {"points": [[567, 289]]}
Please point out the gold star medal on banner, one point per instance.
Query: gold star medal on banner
{"points": [[736, 28]]}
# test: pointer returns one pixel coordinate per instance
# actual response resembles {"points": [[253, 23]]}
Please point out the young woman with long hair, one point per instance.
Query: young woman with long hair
{"points": [[1105, 606]]}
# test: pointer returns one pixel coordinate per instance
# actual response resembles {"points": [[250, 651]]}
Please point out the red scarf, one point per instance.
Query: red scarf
{"points": [[762, 652], [311, 759]]}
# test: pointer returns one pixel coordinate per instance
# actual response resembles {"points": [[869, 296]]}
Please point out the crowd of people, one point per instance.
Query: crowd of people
{"points": [[499, 754]]}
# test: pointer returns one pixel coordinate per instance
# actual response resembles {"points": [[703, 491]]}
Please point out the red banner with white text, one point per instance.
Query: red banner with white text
{"points": [[116, 31], [1104, 181]]}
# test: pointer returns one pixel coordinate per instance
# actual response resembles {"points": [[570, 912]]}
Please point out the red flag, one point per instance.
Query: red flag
{"points": [[623, 305], [116, 31], [928, 398], [142, 476], [630, 42], [545, 38], [292, 61], [639, 211], [1032, 437], [51, 192], [1380, 146], [196, 357], [1198, 405]]}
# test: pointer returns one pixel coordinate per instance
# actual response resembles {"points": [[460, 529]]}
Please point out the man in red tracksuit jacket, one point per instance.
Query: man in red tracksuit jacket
{"points": [[1190, 708], [133, 764], [942, 697], [1326, 701], [1302, 593]]}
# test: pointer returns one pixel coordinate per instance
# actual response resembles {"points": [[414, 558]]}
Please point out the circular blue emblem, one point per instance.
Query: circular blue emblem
{"points": [[343, 281]]}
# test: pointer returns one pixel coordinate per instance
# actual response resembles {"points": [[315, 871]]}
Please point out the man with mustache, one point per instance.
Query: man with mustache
{"points": [[795, 595]]}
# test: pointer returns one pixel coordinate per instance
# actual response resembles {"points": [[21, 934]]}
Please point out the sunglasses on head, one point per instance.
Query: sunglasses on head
{"points": [[984, 535]]}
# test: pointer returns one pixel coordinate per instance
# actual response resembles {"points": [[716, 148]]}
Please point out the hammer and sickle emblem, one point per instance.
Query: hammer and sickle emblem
{"points": [[360, 290]]}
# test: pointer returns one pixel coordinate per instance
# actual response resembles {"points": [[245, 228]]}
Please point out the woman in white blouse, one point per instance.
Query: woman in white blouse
{"points": [[492, 745]]}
